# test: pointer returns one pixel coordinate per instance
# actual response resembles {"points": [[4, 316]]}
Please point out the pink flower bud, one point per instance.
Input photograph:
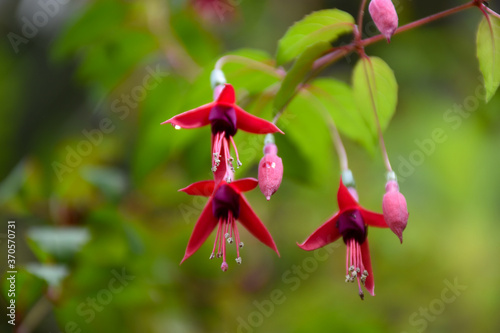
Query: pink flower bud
{"points": [[270, 170], [385, 17], [394, 208]]}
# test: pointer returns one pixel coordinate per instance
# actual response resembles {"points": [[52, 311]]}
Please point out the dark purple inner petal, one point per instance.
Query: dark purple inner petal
{"points": [[351, 225], [223, 119], [225, 200]]}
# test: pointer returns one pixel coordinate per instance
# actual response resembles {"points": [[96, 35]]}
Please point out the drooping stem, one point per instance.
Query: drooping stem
{"points": [[338, 53], [336, 139], [339, 146], [360, 17], [369, 80], [420, 22], [277, 72]]}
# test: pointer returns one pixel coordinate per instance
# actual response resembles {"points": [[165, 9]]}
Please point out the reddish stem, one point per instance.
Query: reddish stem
{"points": [[420, 22], [340, 52], [360, 17]]}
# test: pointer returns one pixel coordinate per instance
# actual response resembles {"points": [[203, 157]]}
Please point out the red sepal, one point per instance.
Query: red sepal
{"points": [[254, 225], [204, 188], [202, 229], [327, 233]]}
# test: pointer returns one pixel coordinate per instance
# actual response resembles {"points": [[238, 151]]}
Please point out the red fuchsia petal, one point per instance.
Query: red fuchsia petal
{"points": [[254, 225], [252, 124], [365, 256], [227, 95], [345, 198], [244, 184], [373, 219], [324, 235], [202, 229], [193, 118], [204, 188]]}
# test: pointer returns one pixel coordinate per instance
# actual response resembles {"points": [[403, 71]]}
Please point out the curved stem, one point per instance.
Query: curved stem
{"points": [[337, 53], [360, 17], [336, 139], [420, 22], [333, 56], [369, 80], [279, 73], [492, 12]]}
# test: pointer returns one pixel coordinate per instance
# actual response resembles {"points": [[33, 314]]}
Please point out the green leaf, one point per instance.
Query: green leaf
{"points": [[108, 43], [375, 89], [488, 54], [59, 243], [298, 72], [243, 76], [338, 99], [198, 41], [325, 25], [95, 22], [306, 130]]}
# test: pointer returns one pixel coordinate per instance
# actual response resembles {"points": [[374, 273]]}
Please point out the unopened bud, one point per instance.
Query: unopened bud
{"points": [[385, 17], [395, 209], [270, 170]]}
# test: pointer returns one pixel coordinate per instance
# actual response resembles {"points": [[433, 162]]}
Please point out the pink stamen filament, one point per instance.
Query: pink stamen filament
{"points": [[227, 226], [229, 169], [236, 239], [347, 261], [219, 137], [236, 152], [217, 236], [354, 264], [224, 250]]}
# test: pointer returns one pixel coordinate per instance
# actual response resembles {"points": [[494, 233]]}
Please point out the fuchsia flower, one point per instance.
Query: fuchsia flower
{"points": [[351, 222], [225, 206], [395, 209], [225, 118], [270, 170], [385, 17]]}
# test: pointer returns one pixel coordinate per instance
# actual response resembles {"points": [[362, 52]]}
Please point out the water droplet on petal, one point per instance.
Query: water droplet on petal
{"points": [[177, 127]]}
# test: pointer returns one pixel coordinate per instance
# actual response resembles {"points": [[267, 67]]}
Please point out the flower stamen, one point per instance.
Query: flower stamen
{"points": [[238, 162], [354, 265]]}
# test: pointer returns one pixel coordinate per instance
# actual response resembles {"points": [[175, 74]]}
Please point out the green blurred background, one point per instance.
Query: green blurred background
{"points": [[91, 178]]}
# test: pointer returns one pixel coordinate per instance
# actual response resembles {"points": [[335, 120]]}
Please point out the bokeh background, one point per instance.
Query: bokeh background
{"points": [[91, 178]]}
